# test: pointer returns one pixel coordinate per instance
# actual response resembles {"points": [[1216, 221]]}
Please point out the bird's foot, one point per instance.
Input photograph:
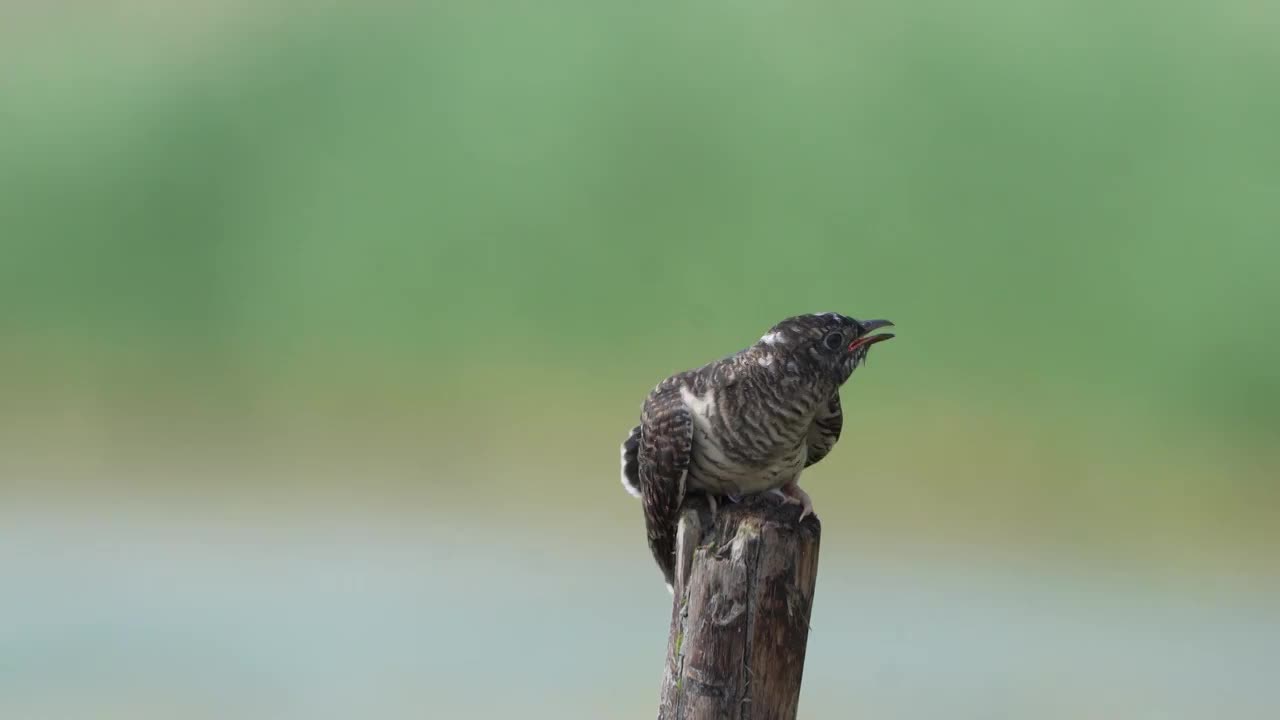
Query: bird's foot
{"points": [[714, 503], [791, 493]]}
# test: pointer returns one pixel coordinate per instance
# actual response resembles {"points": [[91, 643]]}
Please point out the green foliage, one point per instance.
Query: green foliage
{"points": [[1081, 202]]}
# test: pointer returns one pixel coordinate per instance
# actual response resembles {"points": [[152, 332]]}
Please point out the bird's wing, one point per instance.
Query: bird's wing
{"points": [[825, 431], [666, 442]]}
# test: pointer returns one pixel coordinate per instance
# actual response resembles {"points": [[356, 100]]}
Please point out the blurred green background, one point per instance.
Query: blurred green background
{"points": [[320, 327]]}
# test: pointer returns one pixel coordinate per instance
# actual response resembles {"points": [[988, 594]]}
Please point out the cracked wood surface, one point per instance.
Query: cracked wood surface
{"points": [[740, 616]]}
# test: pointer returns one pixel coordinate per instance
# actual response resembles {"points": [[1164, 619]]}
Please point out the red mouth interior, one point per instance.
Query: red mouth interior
{"points": [[866, 340]]}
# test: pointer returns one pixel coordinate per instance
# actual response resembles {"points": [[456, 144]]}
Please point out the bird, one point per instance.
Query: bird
{"points": [[748, 423]]}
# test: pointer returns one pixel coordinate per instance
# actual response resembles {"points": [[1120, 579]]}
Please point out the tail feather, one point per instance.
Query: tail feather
{"points": [[631, 462]]}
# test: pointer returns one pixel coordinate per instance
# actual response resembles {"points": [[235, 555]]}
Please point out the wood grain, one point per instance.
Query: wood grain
{"points": [[740, 616]]}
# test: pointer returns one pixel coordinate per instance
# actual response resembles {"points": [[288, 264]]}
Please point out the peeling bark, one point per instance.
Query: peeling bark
{"points": [[740, 615]]}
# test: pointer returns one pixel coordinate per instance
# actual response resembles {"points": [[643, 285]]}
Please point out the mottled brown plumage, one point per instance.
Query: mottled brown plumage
{"points": [[746, 424]]}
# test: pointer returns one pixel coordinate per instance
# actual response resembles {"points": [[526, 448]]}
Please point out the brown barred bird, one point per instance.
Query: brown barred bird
{"points": [[749, 423]]}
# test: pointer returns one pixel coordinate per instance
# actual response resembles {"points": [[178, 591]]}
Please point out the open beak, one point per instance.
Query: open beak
{"points": [[867, 338]]}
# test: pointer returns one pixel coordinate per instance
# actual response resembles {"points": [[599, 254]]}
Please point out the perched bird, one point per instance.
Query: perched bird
{"points": [[749, 423]]}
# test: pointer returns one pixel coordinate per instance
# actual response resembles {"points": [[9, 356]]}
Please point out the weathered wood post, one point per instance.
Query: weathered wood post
{"points": [[740, 616]]}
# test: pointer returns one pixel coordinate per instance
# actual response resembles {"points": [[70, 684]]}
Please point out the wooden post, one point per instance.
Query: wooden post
{"points": [[740, 616]]}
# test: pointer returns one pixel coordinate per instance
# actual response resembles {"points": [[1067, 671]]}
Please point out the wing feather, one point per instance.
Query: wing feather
{"points": [[666, 442]]}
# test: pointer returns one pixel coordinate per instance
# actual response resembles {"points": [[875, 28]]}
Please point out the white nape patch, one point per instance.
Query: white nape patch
{"points": [[700, 411], [700, 407], [764, 360], [626, 484], [774, 338], [832, 315]]}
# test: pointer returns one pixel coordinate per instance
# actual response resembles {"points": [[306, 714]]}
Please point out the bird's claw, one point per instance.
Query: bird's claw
{"points": [[792, 494]]}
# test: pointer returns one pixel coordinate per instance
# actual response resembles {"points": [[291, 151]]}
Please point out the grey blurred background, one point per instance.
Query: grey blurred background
{"points": [[320, 327]]}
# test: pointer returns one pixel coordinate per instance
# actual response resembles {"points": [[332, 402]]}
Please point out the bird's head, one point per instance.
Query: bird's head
{"points": [[827, 344]]}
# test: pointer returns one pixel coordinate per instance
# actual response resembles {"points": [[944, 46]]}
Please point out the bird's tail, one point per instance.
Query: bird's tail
{"points": [[631, 462]]}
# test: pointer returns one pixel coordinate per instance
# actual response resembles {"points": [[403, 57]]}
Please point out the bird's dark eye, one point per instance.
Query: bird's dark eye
{"points": [[833, 341]]}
